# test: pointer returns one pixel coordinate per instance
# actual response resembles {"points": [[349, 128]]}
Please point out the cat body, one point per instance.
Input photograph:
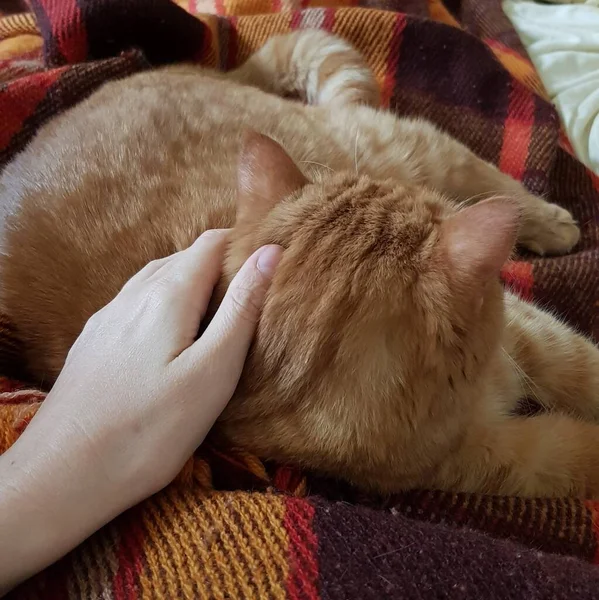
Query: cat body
{"points": [[387, 353]]}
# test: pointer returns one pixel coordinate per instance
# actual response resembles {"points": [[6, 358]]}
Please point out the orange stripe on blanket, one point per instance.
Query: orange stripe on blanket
{"points": [[11, 419], [518, 278], [302, 581], [212, 545], [19, 24], [517, 132], [252, 33], [371, 32], [19, 47], [520, 68], [393, 53], [254, 7], [438, 12]]}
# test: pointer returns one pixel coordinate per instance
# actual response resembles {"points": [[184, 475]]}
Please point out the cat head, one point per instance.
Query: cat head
{"points": [[386, 301]]}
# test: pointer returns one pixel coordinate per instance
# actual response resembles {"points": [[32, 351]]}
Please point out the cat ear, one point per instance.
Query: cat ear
{"points": [[480, 239], [265, 175]]}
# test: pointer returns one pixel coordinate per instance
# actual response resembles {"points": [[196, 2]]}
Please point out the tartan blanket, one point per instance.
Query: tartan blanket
{"points": [[231, 526]]}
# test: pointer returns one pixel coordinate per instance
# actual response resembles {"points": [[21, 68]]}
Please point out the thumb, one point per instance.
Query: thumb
{"points": [[233, 327]]}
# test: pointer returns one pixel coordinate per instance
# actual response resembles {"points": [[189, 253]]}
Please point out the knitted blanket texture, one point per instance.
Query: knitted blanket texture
{"points": [[231, 526]]}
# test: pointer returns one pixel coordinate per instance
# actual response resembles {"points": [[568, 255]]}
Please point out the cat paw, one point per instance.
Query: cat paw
{"points": [[549, 230]]}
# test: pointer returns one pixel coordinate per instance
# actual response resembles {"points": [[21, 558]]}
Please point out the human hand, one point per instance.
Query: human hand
{"points": [[137, 395], [150, 394]]}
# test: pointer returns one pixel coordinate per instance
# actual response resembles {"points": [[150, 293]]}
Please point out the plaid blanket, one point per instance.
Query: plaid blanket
{"points": [[231, 526]]}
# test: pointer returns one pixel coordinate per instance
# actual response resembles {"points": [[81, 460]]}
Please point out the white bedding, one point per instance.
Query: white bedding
{"points": [[563, 43]]}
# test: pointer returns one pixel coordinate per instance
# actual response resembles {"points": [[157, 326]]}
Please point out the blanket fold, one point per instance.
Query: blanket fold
{"points": [[231, 526]]}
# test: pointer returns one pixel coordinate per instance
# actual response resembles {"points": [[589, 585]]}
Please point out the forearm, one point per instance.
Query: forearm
{"points": [[48, 504]]}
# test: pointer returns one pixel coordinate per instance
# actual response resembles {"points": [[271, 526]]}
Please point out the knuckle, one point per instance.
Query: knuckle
{"points": [[175, 282], [213, 236], [161, 289], [172, 280], [154, 296], [154, 263], [148, 269]]}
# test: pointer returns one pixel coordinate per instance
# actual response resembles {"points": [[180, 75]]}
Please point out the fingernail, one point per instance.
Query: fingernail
{"points": [[268, 259]]}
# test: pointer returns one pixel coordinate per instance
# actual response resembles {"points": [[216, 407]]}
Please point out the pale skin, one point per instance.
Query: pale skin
{"points": [[136, 397]]}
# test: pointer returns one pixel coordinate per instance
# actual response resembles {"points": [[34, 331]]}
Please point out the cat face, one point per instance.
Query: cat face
{"points": [[387, 295]]}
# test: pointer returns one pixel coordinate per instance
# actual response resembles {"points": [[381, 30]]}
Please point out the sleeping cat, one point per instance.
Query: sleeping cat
{"points": [[387, 353]]}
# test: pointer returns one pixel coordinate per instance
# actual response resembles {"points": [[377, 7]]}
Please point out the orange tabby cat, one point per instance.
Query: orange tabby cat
{"points": [[387, 353]]}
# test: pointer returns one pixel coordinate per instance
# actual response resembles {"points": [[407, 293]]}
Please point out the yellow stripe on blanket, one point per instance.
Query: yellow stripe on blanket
{"points": [[15, 25]]}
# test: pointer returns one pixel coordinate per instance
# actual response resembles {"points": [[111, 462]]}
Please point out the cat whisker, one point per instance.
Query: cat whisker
{"points": [[313, 162], [524, 378], [486, 195], [511, 322]]}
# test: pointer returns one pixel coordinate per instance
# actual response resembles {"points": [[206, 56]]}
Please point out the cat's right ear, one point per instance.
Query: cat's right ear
{"points": [[479, 239], [265, 175]]}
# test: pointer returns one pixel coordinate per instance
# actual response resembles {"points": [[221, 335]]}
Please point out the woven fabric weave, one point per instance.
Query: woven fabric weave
{"points": [[231, 526]]}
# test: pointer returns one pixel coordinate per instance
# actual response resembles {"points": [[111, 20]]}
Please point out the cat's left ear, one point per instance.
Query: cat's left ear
{"points": [[265, 175]]}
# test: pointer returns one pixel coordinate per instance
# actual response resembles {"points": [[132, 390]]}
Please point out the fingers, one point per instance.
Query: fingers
{"points": [[154, 269], [187, 268], [232, 328], [187, 279], [180, 291], [149, 270]]}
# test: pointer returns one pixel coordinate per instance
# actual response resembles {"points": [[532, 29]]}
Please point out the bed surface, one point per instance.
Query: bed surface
{"points": [[563, 43]]}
